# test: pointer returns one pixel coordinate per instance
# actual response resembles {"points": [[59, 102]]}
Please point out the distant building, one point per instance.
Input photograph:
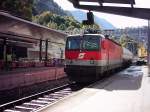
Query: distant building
{"points": [[139, 34]]}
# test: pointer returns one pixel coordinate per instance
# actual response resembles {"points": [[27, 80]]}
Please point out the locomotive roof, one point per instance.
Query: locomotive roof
{"points": [[87, 34], [95, 35], [113, 41]]}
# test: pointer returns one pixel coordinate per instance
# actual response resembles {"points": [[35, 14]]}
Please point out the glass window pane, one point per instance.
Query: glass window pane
{"points": [[91, 43], [73, 43]]}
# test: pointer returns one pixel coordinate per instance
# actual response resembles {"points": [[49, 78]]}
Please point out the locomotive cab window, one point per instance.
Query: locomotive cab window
{"points": [[73, 43], [91, 42], [87, 42]]}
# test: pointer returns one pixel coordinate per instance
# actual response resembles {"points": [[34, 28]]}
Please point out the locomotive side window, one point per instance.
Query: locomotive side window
{"points": [[91, 43], [73, 43]]}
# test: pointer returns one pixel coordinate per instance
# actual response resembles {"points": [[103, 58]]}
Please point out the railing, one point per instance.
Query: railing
{"points": [[28, 64]]}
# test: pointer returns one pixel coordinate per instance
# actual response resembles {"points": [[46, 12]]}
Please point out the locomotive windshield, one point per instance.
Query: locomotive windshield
{"points": [[73, 43], [87, 42], [90, 43]]}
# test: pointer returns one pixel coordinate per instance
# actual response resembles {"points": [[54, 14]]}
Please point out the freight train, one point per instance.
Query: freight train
{"points": [[91, 56]]}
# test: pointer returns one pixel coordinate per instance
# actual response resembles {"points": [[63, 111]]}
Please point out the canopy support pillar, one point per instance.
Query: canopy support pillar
{"points": [[40, 50], [148, 51], [46, 51]]}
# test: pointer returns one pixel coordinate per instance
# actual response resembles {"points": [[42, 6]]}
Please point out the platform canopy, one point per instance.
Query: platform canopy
{"points": [[16, 29], [106, 1], [131, 11]]}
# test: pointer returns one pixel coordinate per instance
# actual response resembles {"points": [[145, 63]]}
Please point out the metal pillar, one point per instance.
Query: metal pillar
{"points": [[5, 51], [148, 51], [40, 50], [46, 51]]}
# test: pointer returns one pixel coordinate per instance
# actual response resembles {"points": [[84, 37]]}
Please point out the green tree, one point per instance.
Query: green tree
{"points": [[56, 21], [52, 25], [123, 40], [95, 26], [21, 8]]}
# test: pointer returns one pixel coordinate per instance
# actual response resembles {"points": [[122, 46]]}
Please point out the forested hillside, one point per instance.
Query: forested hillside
{"points": [[21, 8], [55, 21], [26, 8], [41, 6], [44, 12]]}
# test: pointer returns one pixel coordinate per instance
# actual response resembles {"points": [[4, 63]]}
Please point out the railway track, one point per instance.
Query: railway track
{"points": [[37, 101]]}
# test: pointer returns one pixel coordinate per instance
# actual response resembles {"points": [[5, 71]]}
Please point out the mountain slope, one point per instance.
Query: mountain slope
{"points": [[41, 6], [80, 15]]}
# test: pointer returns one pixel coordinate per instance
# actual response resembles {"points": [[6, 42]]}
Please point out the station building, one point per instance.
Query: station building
{"points": [[24, 41]]}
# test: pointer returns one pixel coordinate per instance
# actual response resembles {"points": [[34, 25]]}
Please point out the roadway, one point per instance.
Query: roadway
{"points": [[127, 91]]}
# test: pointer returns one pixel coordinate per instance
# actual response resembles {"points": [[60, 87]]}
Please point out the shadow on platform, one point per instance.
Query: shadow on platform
{"points": [[129, 79]]}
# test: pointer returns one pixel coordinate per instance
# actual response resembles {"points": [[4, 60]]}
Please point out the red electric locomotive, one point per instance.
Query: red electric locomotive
{"points": [[88, 56]]}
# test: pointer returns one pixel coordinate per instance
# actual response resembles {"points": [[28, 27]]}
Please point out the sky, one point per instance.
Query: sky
{"points": [[116, 20]]}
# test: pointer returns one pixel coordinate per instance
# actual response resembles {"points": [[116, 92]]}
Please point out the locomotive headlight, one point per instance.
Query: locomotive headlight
{"points": [[91, 61], [70, 61]]}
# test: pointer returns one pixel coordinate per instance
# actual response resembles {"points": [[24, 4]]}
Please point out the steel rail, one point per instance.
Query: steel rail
{"points": [[29, 98]]}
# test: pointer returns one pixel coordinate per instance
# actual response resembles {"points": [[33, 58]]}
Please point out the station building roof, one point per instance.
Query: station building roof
{"points": [[18, 29]]}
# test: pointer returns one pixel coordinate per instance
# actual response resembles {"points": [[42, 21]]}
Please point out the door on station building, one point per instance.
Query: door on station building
{"points": [[19, 52]]}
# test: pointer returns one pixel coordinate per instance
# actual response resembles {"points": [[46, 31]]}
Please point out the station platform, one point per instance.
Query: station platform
{"points": [[29, 76], [127, 91]]}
